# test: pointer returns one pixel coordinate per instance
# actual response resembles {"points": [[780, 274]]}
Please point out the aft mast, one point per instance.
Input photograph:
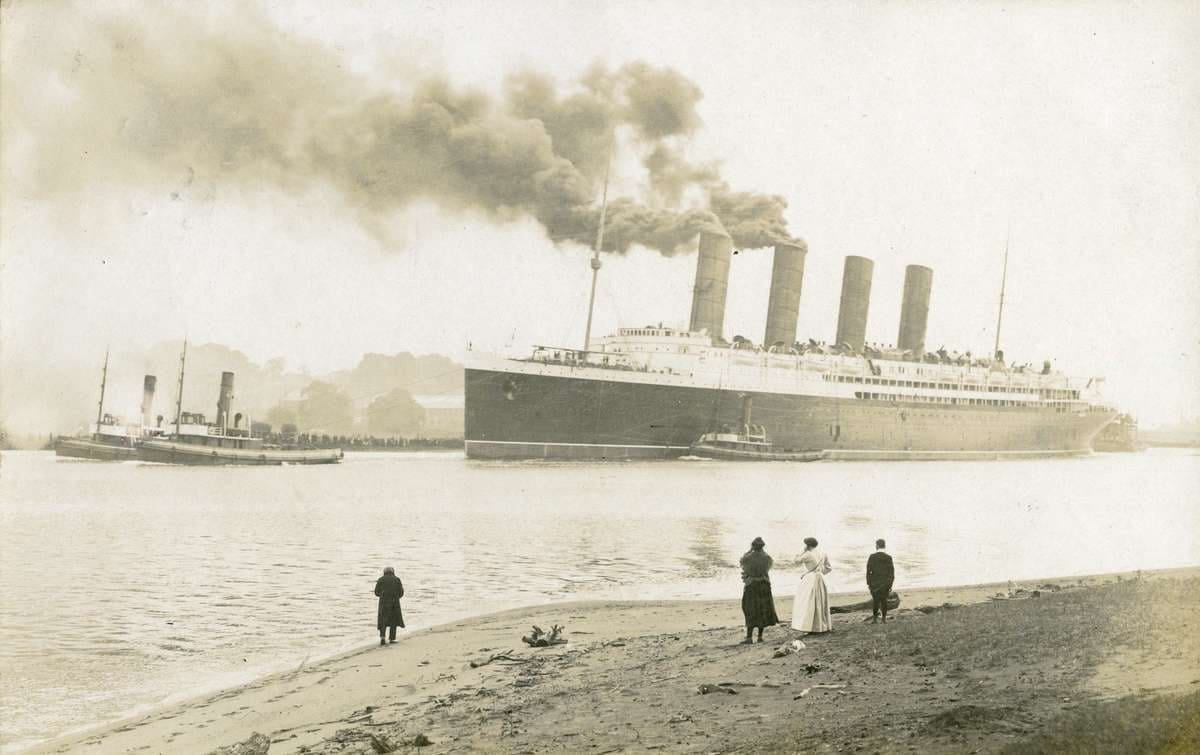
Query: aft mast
{"points": [[103, 382], [587, 334], [179, 394], [1000, 313]]}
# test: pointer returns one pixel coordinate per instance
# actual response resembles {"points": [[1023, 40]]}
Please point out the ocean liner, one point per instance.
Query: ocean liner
{"points": [[652, 392]]}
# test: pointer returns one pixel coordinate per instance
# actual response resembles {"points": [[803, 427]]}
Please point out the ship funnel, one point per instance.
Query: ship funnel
{"points": [[712, 282], [914, 310], [225, 399], [856, 298], [783, 305], [148, 384]]}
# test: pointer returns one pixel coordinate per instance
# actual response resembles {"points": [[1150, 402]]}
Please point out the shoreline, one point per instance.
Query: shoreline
{"points": [[304, 706]]}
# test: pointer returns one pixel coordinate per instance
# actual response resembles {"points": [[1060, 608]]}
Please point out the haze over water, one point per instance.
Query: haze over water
{"points": [[128, 585]]}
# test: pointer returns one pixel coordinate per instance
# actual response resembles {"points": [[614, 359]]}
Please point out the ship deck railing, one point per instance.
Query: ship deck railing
{"points": [[834, 367]]}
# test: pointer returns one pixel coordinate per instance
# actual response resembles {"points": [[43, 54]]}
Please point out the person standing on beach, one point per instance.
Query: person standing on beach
{"points": [[390, 590], [810, 612], [758, 604], [880, 576]]}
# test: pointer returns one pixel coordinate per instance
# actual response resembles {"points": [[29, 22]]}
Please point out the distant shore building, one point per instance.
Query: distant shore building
{"points": [[444, 415]]}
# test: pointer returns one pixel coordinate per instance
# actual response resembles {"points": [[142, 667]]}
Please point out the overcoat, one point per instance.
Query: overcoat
{"points": [[390, 590]]}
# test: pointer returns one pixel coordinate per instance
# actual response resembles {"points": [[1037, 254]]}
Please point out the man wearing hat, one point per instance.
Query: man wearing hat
{"points": [[758, 604]]}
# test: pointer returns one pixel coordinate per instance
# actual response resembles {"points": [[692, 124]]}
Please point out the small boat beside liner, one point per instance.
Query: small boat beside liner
{"points": [[749, 444], [745, 447], [226, 441]]}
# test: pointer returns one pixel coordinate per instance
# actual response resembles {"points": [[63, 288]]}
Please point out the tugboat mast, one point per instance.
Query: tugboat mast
{"points": [[587, 334], [103, 382], [179, 395]]}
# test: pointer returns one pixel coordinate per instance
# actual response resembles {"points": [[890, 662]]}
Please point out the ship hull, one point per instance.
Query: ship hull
{"points": [[80, 448], [168, 452], [526, 414]]}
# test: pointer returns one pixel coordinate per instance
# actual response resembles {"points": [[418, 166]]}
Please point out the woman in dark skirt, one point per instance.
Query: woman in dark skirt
{"points": [[758, 604], [390, 590]]}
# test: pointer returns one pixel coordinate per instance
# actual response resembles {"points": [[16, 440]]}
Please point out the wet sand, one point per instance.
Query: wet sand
{"points": [[979, 674]]}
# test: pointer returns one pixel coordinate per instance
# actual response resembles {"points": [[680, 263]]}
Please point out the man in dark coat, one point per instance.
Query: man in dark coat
{"points": [[390, 590], [880, 576]]}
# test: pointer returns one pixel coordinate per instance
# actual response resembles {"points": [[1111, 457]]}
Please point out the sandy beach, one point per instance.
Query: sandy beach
{"points": [[956, 670]]}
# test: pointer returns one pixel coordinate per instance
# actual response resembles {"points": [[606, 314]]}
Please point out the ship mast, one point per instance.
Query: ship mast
{"points": [[179, 395], [1000, 313], [103, 382], [587, 334]]}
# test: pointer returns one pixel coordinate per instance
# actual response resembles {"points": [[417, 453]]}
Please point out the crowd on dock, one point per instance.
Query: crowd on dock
{"points": [[362, 442]]}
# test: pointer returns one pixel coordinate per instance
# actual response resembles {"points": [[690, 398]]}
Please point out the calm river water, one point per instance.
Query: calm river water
{"points": [[129, 585]]}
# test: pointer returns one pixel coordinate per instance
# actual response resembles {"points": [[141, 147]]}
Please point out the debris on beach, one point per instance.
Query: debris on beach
{"points": [[505, 656], [787, 648], [943, 607], [538, 638], [893, 602], [256, 744], [706, 689], [806, 690], [382, 745]]}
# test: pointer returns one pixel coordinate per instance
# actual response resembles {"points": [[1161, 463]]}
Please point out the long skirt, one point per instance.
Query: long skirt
{"points": [[810, 612], [758, 605], [389, 614]]}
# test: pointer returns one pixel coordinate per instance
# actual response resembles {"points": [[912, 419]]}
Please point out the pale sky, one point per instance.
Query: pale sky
{"points": [[905, 132]]}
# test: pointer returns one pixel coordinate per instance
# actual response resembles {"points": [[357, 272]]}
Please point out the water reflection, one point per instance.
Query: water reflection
{"points": [[706, 548]]}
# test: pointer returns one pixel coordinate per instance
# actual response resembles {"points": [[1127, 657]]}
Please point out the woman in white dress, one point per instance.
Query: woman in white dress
{"points": [[810, 612]]}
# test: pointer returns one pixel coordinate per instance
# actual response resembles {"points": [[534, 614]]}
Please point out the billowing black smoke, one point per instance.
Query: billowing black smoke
{"points": [[174, 95]]}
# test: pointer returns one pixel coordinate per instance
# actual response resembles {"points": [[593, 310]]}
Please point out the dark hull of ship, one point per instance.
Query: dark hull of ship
{"points": [[82, 448], [523, 416], [169, 452]]}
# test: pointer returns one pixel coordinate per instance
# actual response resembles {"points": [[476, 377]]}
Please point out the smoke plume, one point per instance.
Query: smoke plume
{"points": [[194, 101]]}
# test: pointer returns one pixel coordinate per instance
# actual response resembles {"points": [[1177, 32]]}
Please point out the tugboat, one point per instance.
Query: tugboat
{"points": [[198, 442], [749, 443], [1119, 436], [109, 439]]}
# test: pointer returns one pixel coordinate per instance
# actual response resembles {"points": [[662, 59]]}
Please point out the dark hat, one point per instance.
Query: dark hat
{"points": [[757, 543]]}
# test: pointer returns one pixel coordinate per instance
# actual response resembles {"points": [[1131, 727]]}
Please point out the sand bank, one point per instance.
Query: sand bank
{"points": [[977, 675]]}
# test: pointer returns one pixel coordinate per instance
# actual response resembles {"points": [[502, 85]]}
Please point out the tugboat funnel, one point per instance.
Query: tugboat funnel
{"points": [[149, 383], [225, 399]]}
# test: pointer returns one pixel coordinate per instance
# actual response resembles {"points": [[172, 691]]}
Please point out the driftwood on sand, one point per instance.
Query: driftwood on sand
{"points": [[505, 656], [257, 744], [893, 602], [538, 638]]}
